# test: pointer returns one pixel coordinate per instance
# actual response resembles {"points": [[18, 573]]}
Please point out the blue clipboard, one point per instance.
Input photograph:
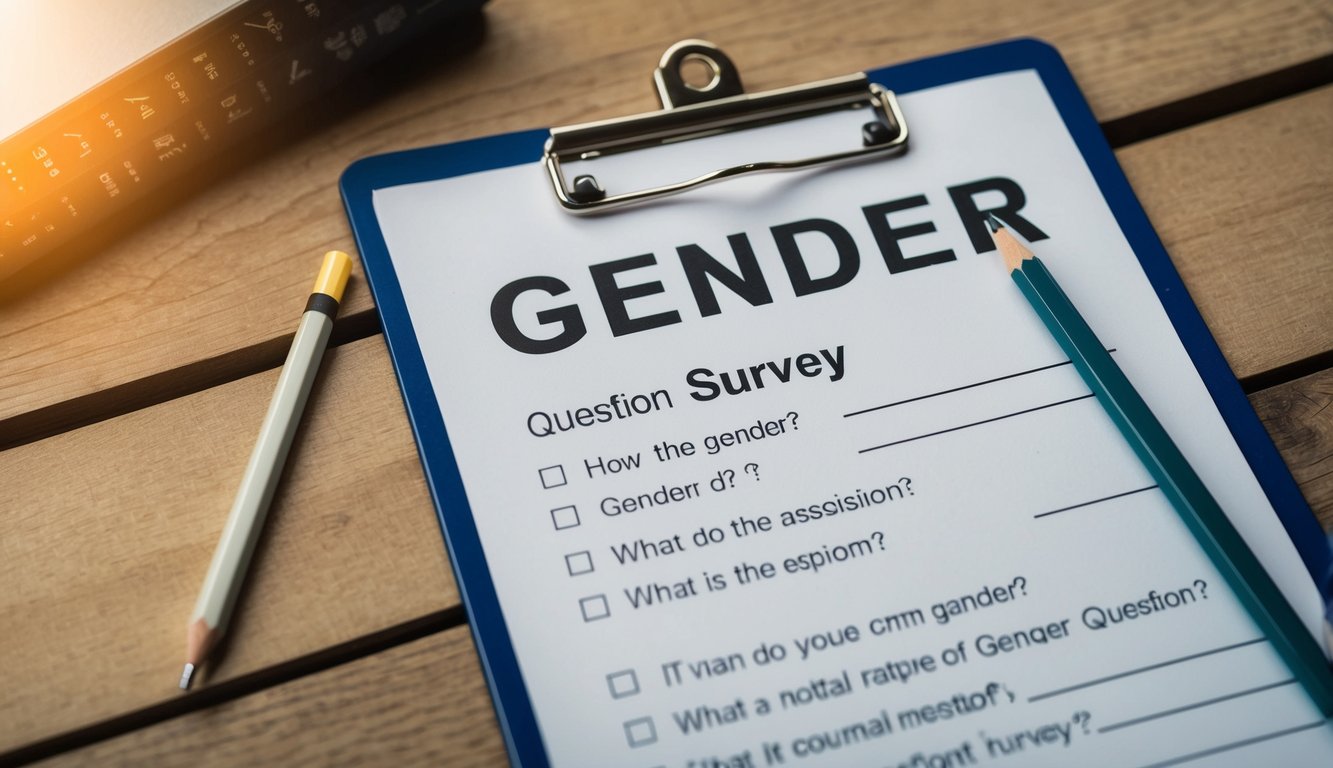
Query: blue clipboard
{"points": [[512, 704]]}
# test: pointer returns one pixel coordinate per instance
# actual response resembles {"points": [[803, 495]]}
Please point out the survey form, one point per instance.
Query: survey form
{"points": [[785, 472]]}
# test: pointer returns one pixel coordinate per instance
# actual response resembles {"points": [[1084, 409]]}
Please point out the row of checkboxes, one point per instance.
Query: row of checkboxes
{"points": [[593, 607], [640, 731], [577, 563], [563, 518]]}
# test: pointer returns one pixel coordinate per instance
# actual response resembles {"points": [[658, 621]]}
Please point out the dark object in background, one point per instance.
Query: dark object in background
{"points": [[186, 103]]}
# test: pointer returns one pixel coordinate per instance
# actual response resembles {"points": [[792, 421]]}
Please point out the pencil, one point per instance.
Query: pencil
{"points": [[226, 573], [1173, 474]]}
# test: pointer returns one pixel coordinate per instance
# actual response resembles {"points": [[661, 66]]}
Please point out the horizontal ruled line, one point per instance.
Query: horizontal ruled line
{"points": [[960, 389], [1096, 501], [1140, 670], [977, 423], [1196, 705], [1235, 745]]}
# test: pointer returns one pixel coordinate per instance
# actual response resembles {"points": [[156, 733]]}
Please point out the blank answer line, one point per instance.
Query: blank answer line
{"points": [[1149, 668], [1096, 501], [1235, 745], [959, 389], [976, 423], [1196, 705]]}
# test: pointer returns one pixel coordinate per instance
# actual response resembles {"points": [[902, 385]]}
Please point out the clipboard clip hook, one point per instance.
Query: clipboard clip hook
{"points": [[697, 110]]}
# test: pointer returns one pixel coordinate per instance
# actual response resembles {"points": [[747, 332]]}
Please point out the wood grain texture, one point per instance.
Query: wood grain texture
{"points": [[1243, 206], [157, 303], [425, 703], [422, 703], [1299, 416], [108, 531]]}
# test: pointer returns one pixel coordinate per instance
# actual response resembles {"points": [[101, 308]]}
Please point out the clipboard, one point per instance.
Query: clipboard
{"points": [[719, 107]]}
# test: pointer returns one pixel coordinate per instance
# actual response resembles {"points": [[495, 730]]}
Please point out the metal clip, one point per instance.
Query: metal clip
{"points": [[720, 105]]}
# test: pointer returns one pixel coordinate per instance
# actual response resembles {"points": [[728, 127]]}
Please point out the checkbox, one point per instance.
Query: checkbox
{"points": [[579, 563], [594, 608], [623, 684], [565, 517], [552, 477], [640, 732]]}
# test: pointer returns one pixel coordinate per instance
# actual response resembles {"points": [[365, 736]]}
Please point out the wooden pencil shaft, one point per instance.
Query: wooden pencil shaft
{"points": [[1188, 495], [240, 534], [231, 559]]}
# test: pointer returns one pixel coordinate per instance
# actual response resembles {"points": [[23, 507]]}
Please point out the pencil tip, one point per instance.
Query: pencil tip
{"points": [[187, 676], [993, 223]]}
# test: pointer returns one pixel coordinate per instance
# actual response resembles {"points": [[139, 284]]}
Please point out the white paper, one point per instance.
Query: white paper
{"points": [[957, 512]]}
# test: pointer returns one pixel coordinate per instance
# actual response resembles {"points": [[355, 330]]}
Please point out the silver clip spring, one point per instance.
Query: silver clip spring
{"points": [[691, 112]]}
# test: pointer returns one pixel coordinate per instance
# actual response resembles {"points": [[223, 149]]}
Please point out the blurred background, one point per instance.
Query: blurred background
{"points": [[110, 107]]}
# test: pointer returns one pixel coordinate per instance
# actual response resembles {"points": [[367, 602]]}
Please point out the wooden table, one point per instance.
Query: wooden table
{"points": [[132, 385]]}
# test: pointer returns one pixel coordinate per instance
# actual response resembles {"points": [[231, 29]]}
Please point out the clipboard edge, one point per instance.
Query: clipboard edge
{"points": [[504, 679]]}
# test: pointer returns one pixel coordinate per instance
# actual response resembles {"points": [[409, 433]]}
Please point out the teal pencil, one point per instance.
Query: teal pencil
{"points": [[1168, 466]]}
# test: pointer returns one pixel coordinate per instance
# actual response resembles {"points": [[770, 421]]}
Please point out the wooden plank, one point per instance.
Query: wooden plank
{"points": [[1299, 417], [423, 703], [108, 531], [100, 338], [1242, 205]]}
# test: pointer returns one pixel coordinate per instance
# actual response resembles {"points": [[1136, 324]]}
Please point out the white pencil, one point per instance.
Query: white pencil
{"points": [[226, 573]]}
